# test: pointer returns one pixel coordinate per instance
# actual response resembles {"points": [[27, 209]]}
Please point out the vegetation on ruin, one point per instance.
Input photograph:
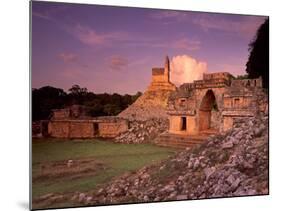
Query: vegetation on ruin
{"points": [[47, 98], [239, 77], [110, 160]]}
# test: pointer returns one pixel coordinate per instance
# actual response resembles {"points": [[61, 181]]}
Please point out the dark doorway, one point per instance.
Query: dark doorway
{"points": [[208, 104], [183, 123], [96, 129], [44, 128]]}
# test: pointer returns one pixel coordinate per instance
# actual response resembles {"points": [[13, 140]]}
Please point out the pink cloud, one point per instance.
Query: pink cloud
{"points": [[186, 69], [89, 36], [44, 15], [68, 57], [179, 43], [171, 16], [118, 62], [246, 26], [49, 14], [186, 44]]}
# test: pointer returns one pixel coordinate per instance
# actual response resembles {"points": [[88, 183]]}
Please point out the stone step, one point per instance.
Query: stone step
{"points": [[180, 141]]}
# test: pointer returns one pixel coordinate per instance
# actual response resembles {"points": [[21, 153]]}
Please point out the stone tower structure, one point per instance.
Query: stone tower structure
{"points": [[167, 69], [153, 102], [161, 77]]}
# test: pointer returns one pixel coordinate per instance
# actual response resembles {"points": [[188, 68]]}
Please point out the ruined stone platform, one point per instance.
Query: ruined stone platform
{"points": [[180, 141]]}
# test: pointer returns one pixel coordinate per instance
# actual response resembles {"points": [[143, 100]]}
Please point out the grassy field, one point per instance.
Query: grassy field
{"points": [[115, 158]]}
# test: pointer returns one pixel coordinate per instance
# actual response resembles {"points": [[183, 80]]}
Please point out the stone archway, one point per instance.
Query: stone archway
{"points": [[206, 110]]}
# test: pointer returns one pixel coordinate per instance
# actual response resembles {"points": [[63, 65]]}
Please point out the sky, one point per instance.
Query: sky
{"points": [[113, 49]]}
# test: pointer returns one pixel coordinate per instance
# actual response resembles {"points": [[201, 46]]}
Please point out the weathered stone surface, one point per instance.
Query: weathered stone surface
{"points": [[107, 127], [143, 131], [153, 103], [82, 197], [243, 170], [209, 171], [227, 145]]}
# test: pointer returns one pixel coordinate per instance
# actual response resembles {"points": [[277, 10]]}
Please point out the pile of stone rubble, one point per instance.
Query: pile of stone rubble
{"points": [[231, 164], [152, 104], [142, 113], [143, 131]]}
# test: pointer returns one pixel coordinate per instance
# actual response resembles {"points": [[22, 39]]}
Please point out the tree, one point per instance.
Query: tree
{"points": [[76, 90], [258, 61], [47, 98], [111, 109], [136, 96], [44, 100], [77, 94], [246, 76]]}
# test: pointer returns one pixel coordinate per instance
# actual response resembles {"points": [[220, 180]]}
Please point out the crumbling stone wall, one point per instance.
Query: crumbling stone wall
{"points": [[61, 113], [107, 128], [81, 129], [59, 129], [112, 129]]}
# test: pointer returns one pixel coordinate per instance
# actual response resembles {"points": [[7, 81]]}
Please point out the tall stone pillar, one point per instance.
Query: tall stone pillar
{"points": [[167, 69]]}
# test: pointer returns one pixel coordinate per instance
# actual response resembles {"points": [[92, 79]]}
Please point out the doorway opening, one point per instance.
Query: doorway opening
{"points": [[207, 107], [96, 129], [183, 123]]}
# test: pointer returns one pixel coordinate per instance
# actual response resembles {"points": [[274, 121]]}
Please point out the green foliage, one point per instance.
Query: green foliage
{"points": [[258, 61], [136, 96], [47, 98], [111, 109], [76, 90], [246, 76]]}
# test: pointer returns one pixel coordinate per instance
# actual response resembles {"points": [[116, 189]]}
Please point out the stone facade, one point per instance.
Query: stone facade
{"points": [[211, 104], [74, 122], [105, 127]]}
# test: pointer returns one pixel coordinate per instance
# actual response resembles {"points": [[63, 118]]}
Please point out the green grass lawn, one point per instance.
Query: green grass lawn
{"points": [[118, 159]]}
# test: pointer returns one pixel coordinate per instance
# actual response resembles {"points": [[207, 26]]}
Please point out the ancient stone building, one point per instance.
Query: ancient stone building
{"points": [[153, 102], [71, 112], [104, 127], [211, 104], [74, 122], [161, 78], [193, 110]]}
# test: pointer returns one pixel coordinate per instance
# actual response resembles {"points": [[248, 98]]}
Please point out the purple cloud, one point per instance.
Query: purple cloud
{"points": [[89, 36], [68, 57], [245, 26], [183, 43], [118, 62]]}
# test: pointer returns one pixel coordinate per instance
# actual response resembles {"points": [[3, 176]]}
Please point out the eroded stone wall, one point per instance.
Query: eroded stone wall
{"points": [[86, 128]]}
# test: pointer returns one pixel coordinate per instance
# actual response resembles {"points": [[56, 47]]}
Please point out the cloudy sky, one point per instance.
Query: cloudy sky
{"points": [[112, 49]]}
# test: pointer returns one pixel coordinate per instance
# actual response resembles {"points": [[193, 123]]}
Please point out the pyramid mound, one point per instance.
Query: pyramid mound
{"points": [[153, 102]]}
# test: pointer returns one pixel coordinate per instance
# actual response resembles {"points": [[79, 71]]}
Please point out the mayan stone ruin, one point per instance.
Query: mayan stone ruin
{"points": [[211, 104], [73, 122], [153, 103], [219, 123], [168, 115]]}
